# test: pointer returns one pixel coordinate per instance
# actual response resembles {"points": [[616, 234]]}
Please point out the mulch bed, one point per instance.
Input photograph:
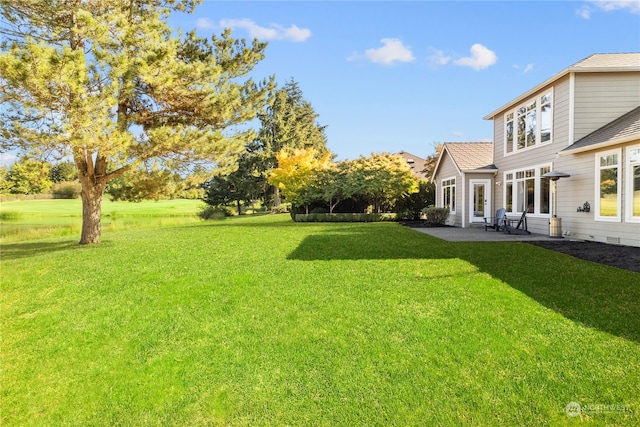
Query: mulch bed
{"points": [[420, 224], [625, 257]]}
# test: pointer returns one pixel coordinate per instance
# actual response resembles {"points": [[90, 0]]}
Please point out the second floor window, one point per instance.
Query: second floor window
{"points": [[529, 125]]}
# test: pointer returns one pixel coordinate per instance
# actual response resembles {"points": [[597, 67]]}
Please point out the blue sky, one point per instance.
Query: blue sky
{"points": [[392, 75], [386, 76]]}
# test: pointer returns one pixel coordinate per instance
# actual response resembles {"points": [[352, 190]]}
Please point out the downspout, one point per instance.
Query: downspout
{"points": [[464, 198]]}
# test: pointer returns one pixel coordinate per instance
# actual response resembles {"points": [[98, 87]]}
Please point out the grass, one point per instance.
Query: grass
{"points": [[22, 220], [259, 321]]}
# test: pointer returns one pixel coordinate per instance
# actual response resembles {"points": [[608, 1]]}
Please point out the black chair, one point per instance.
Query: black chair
{"points": [[521, 226]]}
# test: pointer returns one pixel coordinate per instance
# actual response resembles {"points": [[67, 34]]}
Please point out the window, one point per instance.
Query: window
{"points": [[509, 192], [526, 190], [633, 184], [449, 194], [545, 118], [545, 191], [529, 125], [509, 133], [607, 186]]}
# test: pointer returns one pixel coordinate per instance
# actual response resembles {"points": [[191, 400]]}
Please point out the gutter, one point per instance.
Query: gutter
{"points": [[567, 151]]}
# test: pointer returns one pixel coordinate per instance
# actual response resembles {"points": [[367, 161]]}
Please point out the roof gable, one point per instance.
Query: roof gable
{"points": [[468, 156], [624, 128], [596, 63]]}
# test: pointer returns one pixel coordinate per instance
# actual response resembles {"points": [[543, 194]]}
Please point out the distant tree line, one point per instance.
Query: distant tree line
{"points": [[30, 176], [289, 159], [378, 183]]}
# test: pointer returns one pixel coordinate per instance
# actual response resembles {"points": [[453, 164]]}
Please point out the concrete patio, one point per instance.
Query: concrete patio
{"points": [[477, 234]]}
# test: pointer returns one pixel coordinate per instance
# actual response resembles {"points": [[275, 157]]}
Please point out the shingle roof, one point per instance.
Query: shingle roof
{"points": [[471, 155], [622, 129], [608, 61], [415, 163], [599, 62]]}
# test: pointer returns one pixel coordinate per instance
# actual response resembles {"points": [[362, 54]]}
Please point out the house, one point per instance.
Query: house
{"points": [[465, 178], [416, 164], [583, 121]]}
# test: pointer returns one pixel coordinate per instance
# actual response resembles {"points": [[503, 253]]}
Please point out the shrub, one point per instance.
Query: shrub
{"points": [[192, 193], [406, 215], [66, 190], [436, 216], [319, 210], [345, 217], [281, 208], [214, 212], [14, 197], [410, 206]]}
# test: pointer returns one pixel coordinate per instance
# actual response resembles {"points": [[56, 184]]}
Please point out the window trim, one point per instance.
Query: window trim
{"points": [[598, 168], [538, 114], [629, 185], [455, 193], [537, 186]]}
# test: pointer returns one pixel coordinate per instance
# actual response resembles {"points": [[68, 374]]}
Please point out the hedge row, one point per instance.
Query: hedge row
{"points": [[345, 217]]}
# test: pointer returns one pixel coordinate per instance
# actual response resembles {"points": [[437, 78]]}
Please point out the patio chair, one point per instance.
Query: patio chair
{"points": [[497, 222], [521, 226]]}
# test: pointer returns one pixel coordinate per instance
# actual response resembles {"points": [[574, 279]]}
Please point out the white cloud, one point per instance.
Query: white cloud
{"points": [[205, 23], [527, 68], [480, 59], [272, 32], [438, 58], [392, 51], [632, 6], [584, 12]]}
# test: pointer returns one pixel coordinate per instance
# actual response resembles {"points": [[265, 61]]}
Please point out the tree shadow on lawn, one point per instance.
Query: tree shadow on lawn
{"points": [[594, 295], [361, 243], [30, 249]]}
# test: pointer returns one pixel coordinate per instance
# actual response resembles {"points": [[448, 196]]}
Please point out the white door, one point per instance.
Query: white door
{"points": [[479, 200]]}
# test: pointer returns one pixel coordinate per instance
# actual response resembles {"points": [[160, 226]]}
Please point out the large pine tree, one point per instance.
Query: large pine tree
{"points": [[109, 83], [289, 124]]}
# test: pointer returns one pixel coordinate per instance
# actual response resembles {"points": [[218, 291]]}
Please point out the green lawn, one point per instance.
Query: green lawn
{"points": [[260, 321], [22, 220]]}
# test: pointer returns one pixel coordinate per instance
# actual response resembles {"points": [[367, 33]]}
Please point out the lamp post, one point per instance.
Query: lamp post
{"points": [[555, 223]]}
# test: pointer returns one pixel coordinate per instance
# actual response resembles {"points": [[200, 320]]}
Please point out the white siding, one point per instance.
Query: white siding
{"points": [[601, 98], [580, 188], [446, 170], [561, 113], [539, 155]]}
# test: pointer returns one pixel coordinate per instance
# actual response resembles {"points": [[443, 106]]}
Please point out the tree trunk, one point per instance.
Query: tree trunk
{"points": [[276, 197], [91, 210], [239, 207], [332, 206]]}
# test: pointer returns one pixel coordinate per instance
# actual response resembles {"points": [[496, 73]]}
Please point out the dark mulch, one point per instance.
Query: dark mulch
{"points": [[420, 224], [625, 257]]}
